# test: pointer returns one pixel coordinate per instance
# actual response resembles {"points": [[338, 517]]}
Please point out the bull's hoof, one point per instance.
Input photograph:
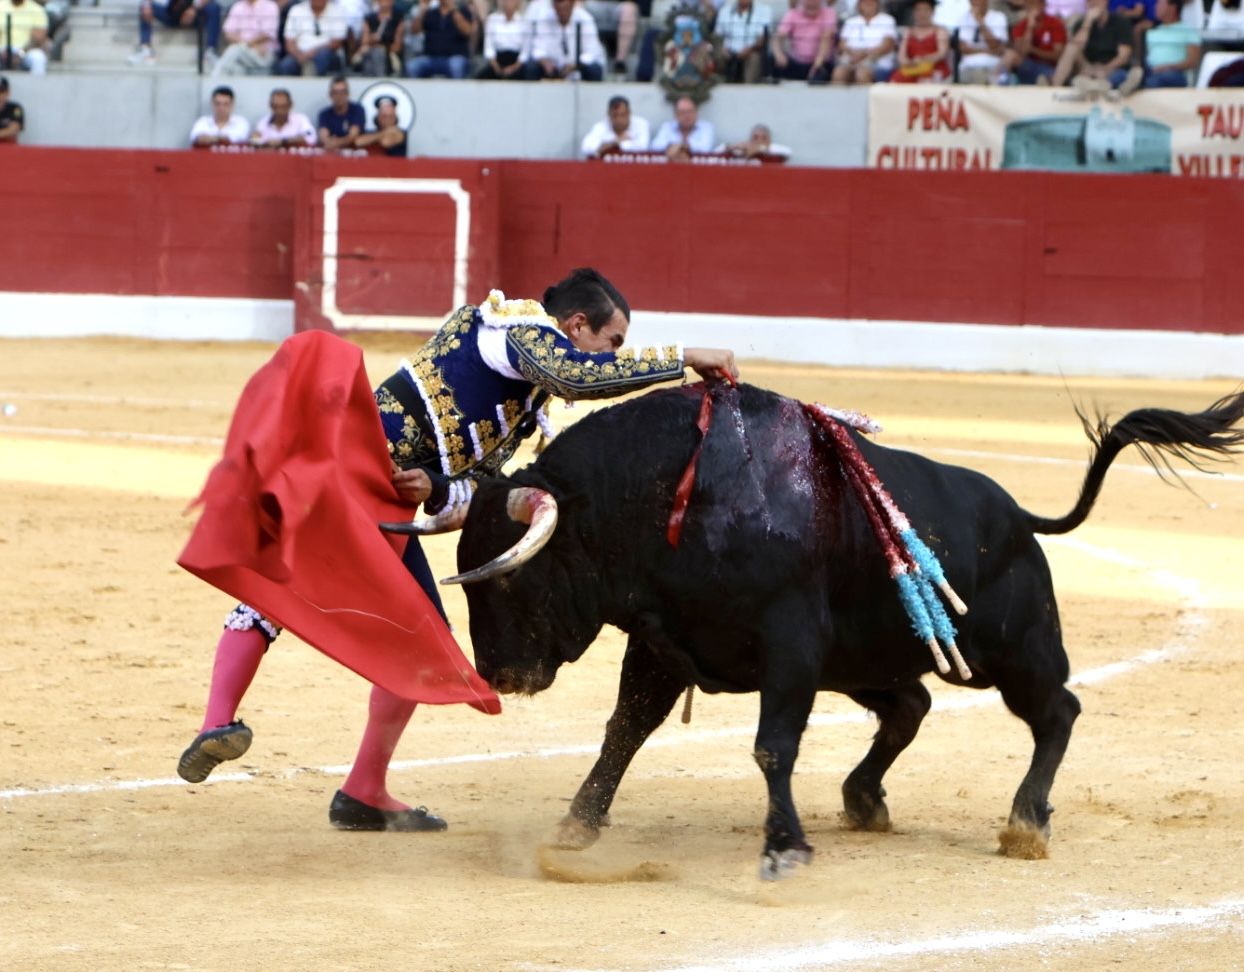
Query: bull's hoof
{"points": [[775, 864], [574, 834], [1024, 841], [865, 811]]}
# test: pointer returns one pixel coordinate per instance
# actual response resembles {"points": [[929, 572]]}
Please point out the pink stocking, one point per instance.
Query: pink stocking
{"points": [[238, 654], [387, 715]]}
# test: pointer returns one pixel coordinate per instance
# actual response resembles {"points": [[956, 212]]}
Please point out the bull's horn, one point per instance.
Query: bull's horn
{"points": [[524, 504], [446, 521]]}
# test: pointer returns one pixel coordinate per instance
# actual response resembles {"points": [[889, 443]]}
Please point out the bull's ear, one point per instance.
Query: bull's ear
{"points": [[445, 521], [524, 504]]}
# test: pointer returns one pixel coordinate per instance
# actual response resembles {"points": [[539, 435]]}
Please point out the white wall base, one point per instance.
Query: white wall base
{"points": [[951, 347], [828, 341], [167, 318]]}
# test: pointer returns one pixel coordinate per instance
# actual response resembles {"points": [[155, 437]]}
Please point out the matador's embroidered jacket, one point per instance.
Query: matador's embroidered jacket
{"points": [[461, 407]]}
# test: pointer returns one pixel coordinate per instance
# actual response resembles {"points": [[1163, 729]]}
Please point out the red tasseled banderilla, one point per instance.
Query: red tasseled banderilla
{"points": [[682, 495]]}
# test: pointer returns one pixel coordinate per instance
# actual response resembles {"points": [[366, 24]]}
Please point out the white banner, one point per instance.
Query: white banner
{"points": [[1191, 131]]}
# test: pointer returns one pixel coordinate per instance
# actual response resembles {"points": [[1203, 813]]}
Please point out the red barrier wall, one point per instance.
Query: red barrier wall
{"points": [[999, 248]]}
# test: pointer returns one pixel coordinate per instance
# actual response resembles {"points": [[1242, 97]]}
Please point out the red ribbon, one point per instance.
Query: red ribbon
{"points": [[682, 495]]}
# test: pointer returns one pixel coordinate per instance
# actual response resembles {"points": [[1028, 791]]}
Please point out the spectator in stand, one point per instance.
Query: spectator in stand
{"points": [[1098, 52], [379, 52], [922, 48], [177, 13], [12, 118], [803, 45], [447, 27], [566, 43], [1140, 16], [283, 127], [388, 138], [1226, 15], [759, 145], [315, 33], [744, 27], [1037, 42], [343, 120], [620, 18], [1172, 48], [619, 132], [982, 42], [507, 44], [687, 134], [222, 126], [251, 29], [26, 48], [866, 46]]}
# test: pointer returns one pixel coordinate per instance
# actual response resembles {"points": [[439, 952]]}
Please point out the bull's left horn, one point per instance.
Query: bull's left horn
{"points": [[524, 504], [446, 521]]}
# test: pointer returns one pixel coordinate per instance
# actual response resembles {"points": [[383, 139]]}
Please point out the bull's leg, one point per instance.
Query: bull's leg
{"points": [[785, 703], [1040, 698], [900, 712], [647, 692]]}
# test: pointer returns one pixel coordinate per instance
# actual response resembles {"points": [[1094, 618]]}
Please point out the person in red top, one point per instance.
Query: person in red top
{"points": [[923, 48], [1037, 42]]}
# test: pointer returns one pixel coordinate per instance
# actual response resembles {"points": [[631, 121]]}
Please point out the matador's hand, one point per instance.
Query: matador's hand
{"points": [[412, 485]]}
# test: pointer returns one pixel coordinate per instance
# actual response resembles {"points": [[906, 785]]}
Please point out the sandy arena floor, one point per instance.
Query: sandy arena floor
{"points": [[111, 863]]}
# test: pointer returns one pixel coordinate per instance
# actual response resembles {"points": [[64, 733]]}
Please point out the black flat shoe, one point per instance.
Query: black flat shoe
{"points": [[211, 748], [347, 813]]}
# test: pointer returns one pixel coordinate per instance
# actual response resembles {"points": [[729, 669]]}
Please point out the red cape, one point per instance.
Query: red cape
{"points": [[290, 526]]}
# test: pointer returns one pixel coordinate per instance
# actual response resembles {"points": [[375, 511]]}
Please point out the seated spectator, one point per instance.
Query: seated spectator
{"points": [[1172, 48], [26, 48], [686, 135], [222, 126], [803, 45], [284, 127], [982, 41], [251, 29], [12, 118], [1139, 15], [447, 31], [315, 32], [619, 132], [922, 48], [379, 52], [1226, 15], [744, 27], [388, 138], [759, 144], [620, 18], [566, 43], [1098, 52], [177, 13], [343, 120], [1037, 42], [507, 44], [866, 46]]}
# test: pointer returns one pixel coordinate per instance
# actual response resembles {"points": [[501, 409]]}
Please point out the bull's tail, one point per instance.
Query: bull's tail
{"points": [[1161, 435]]}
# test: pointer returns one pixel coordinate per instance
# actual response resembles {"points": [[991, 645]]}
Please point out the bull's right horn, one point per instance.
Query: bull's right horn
{"points": [[524, 504], [446, 521]]}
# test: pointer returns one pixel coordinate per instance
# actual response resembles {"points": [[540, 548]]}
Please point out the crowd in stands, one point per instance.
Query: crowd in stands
{"points": [[679, 139], [1094, 44], [341, 126]]}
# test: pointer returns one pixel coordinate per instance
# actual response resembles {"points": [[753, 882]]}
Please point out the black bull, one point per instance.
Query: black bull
{"points": [[779, 587]]}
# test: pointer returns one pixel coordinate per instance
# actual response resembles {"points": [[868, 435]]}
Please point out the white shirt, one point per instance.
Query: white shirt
{"points": [[701, 138], [741, 30], [507, 35], [555, 41], [635, 139], [948, 13], [859, 34], [296, 125], [1220, 18], [237, 129], [970, 33], [300, 26]]}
